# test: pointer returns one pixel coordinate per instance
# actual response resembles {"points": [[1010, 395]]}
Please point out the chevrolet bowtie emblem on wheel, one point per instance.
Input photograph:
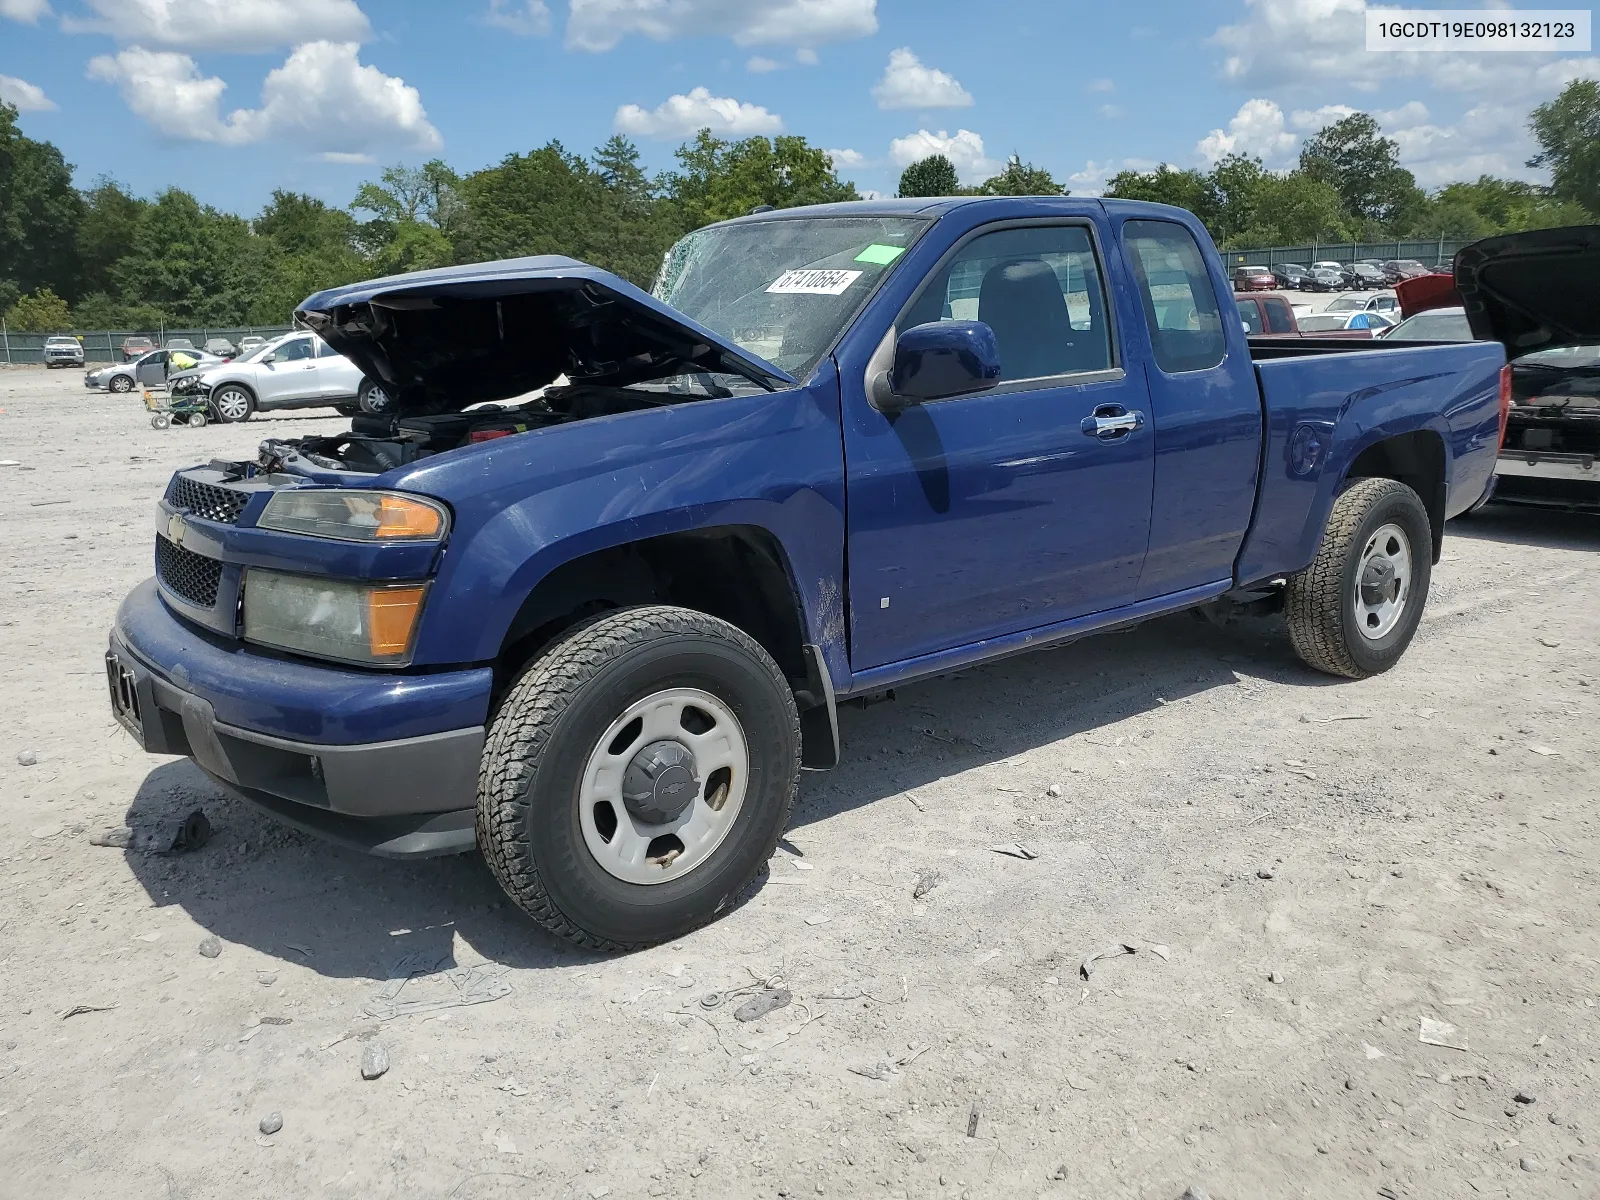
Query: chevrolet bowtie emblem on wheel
{"points": [[175, 528]]}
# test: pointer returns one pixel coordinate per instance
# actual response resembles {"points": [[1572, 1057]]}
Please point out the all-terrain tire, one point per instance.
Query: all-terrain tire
{"points": [[1320, 602], [551, 720]]}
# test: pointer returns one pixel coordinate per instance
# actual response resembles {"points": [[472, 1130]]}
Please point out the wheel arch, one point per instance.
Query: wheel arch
{"points": [[1417, 459], [738, 573]]}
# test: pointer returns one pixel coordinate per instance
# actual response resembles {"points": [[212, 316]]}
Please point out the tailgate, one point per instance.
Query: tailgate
{"points": [[1323, 410]]}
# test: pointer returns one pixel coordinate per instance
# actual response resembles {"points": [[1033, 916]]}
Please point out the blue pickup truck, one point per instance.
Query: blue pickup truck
{"points": [[588, 595]]}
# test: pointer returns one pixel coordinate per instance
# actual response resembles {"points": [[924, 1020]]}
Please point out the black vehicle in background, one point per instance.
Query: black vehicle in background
{"points": [[1290, 275]]}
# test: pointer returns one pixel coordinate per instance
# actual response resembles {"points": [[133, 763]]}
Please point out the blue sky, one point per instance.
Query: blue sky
{"points": [[232, 98]]}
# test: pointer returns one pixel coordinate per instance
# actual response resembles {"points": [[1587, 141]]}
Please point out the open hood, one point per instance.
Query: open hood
{"points": [[448, 338], [1423, 292], [1533, 291]]}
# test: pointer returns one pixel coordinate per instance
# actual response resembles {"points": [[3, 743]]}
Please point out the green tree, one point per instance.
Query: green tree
{"points": [[39, 214], [191, 263], [1363, 166], [39, 312], [1020, 179], [1568, 131], [1489, 206], [721, 179], [419, 214], [105, 231], [617, 161], [1180, 187], [304, 245], [931, 176]]}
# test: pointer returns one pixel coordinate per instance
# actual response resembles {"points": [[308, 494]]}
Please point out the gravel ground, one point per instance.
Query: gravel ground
{"points": [[1308, 870]]}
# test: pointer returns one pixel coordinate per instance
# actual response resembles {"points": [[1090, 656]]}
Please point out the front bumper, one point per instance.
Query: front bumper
{"points": [[411, 796]]}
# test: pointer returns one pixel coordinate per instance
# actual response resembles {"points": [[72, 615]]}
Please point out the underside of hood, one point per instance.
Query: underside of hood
{"points": [[1533, 291], [445, 339], [1421, 293]]}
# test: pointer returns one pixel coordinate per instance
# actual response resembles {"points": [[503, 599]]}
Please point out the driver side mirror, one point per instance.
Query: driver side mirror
{"points": [[936, 360]]}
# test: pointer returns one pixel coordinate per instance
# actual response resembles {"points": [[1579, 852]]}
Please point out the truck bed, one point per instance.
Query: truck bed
{"points": [[1320, 415]]}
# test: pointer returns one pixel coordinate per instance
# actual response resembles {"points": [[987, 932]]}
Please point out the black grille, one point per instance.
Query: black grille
{"points": [[207, 500], [190, 576]]}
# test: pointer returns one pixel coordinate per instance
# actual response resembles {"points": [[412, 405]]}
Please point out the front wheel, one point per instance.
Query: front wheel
{"points": [[638, 776], [120, 383], [160, 421], [1354, 610], [232, 404]]}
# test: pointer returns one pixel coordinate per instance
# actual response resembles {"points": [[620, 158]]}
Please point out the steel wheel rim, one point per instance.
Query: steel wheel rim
{"points": [[639, 852], [1383, 581], [233, 405]]}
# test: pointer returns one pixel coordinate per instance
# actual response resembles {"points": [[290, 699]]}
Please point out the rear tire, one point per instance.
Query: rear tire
{"points": [[160, 421], [1355, 609], [543, 811], [373, 398]]}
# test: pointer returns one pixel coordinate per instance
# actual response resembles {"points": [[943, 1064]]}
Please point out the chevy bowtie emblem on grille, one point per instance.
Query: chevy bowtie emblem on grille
{"points": [[175, 528]]}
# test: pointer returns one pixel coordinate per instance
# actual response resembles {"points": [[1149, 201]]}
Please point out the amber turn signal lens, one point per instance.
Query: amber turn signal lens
{"points": [[391, 616], [402, 518]]}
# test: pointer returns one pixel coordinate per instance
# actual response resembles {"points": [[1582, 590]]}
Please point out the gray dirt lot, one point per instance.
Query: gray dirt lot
{"points": [[1324, 864]]}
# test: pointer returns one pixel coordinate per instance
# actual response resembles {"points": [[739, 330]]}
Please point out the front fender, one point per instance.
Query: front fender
{"points": [[526, 505]]}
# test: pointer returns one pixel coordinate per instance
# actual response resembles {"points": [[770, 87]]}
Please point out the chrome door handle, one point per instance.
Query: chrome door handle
{"points": [[1110, 425]]}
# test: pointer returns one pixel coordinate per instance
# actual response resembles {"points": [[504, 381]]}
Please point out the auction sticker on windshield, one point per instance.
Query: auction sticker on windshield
{"points": [[813, 283]]}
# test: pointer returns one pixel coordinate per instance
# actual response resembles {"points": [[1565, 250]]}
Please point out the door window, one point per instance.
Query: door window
{"points": [[293, 351], [1280, 317], [1038, 287], [1180, 305]]}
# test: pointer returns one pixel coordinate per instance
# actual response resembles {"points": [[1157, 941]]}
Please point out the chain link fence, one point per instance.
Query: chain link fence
{"points": [[1427, 251], [105, 345]]}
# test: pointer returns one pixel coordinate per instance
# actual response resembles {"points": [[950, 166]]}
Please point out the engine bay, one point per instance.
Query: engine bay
{"points": [[381, 442]]}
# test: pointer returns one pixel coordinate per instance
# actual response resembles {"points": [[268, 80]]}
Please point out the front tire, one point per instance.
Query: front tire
{"points": [[120, 383], [1355, 609], [597, 745], [232, 404]]}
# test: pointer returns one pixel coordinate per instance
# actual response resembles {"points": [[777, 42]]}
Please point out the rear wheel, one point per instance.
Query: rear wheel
{"points": [[232, 403], [373, 398], [1355, 609], [638, 776], [197, 420], [121, 383]]}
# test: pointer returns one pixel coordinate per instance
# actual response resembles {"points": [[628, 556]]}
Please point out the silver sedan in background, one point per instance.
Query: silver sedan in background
{"points": [[149, 370]]}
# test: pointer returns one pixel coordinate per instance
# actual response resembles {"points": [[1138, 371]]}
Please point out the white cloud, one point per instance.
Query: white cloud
{"points": [[1316, 119], [682, 116], [322, 99], [1257, 128], [600, 24], [760, 65], [245, 26], [843, 159], [529, 18], [1092, 180], [24, 96], [1101, 85], [906, 83], [964, 149], [26, 11], [343, 156], [806, 56], [1111, 111]]}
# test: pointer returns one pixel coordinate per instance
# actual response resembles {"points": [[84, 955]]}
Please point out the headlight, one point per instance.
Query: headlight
{"points": [[332, 618], [350, 516]]}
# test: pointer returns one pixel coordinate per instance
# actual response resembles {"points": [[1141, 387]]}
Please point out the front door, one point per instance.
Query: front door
{"points": [[1002, 510], [291, 377]]}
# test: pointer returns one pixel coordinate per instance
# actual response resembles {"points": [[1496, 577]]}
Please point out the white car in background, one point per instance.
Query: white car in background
{"points": [[297, 370]]}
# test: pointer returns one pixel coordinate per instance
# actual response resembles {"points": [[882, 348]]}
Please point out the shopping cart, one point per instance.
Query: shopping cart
{"points": [[168, 410]]}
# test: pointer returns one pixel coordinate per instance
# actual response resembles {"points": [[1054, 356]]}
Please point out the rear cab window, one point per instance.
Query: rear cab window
{"points": [[1180, 305], [1280, 317], [1251, 316]]}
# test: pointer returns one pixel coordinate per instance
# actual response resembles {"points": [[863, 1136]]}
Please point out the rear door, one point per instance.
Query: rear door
{"points": [[1003, 510], [337, 377], [1205, 404]]}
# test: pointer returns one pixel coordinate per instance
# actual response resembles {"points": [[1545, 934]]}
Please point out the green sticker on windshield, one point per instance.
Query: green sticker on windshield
{"points": [[881, 255]]}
